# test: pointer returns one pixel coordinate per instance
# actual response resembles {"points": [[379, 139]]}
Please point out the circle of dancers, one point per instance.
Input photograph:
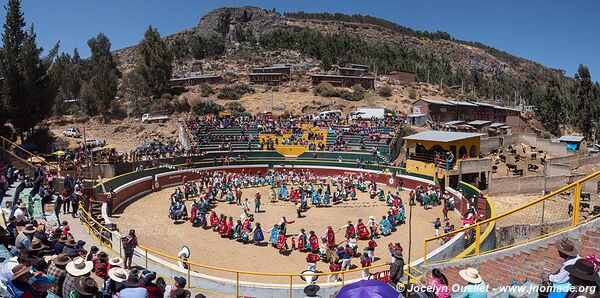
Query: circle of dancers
{"points": [[305, 190]]}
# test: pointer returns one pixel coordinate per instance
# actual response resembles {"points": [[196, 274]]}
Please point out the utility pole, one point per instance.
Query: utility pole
{"points": [[545, 191], [427, 75]]}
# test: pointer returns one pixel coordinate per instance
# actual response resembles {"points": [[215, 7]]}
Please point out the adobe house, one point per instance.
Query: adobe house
{"points": [[284, 69], [271, 79], [403, 76], [367, 82], [195, 80]]}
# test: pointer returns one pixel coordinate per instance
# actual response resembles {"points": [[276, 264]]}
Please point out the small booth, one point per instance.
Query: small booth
{"points": [[573, 142], [435, 154]]}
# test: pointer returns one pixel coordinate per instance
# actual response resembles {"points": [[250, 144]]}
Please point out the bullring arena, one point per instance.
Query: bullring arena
{"points": [[484, 229]]}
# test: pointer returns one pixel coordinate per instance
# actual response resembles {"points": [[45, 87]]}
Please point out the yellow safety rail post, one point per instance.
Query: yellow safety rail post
{"points": [[576, 204], [490, 222], [477, 239]]}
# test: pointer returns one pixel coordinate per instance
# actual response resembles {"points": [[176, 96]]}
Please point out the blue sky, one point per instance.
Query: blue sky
{"points": [[559, 34]]}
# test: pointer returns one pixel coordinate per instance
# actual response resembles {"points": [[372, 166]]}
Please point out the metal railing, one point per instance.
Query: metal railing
{"points": [[24, 154], [105, 237], [550, 214]]}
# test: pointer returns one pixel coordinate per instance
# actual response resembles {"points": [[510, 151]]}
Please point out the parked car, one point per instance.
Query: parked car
{"points": [[150, 146], [72, 133]]}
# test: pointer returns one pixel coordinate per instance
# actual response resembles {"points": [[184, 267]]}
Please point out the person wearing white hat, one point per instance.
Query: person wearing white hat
{"points": [[76, 268], [475, 287], [113, 284], [373, 226]]}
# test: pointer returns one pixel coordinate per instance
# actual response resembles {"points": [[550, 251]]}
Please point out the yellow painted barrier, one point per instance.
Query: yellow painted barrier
{"points": [[96, 229], [566, 199]]}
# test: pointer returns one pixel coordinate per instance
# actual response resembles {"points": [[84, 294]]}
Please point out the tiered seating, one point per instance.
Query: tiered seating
{"points": [[354, 142], [232, 132], [347, 156]]}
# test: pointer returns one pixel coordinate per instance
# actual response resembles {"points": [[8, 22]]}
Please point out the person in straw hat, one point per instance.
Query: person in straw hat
{"points": [[19, 285], [583, 278], [36, 247], [75, 268], [84, 287], [58, 272], [113, 285], [475, 287], [397, 267], [23, 240], [569, 253], [115, 262]]}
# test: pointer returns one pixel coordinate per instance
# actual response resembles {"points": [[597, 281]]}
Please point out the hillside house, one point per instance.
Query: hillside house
{"points": [[271, 79], [195, 80], [402, 76], [367, 82]]}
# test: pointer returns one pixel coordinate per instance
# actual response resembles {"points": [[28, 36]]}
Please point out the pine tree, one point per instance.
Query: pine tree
{"points": [[100, 90], [552, 110], [154, 66], [27, 89], [587, 107]]}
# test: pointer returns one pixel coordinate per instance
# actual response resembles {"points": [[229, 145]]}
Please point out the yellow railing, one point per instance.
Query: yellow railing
{"points": [[548, 215], [6, 144], [100, 232]]}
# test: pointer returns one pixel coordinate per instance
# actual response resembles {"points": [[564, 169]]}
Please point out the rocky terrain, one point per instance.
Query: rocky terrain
{"points": [[235, 24]]}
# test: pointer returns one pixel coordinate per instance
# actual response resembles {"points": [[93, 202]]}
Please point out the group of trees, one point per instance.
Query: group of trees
{"points": [[337, 48], [197, 47], [576, 103], [26, 82]]}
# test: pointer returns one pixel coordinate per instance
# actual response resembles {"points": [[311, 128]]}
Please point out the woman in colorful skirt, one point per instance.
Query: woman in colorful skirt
{"points": [[257, 234], [384, 226]]}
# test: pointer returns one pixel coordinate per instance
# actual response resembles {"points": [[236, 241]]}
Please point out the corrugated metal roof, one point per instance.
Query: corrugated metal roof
{"points": [[479, 122], [505, 127], [455, 122], [416, 115], [497, 124], [505, 108], [571, 139], [437, 102], [441, 136], [196, 77], [461, 103], [482, 104], [340, 76]]}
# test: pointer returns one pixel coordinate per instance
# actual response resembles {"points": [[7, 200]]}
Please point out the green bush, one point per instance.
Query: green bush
{"points": [[412, 94], [385, 91], [326, 90], [206, 90], [545, 135], [162, 106], [207, 107], [235, 92], [181, 105], [358, 93]]}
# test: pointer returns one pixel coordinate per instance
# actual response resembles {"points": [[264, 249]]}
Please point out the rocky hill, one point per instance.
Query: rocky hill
{"points": [[237, 24]]}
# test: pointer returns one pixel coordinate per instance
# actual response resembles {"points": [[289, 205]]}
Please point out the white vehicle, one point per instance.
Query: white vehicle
{"points": [[367, 114], [147, 118], [335, 114], [72, 133]]}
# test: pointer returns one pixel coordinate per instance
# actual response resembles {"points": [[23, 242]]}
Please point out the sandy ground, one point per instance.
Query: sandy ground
{"points": [[149, 217], [524, 152], [125, 134], [554, 209]]}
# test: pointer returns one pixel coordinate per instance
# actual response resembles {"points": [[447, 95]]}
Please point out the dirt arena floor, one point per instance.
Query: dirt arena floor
{"points": [[148, 216]]}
